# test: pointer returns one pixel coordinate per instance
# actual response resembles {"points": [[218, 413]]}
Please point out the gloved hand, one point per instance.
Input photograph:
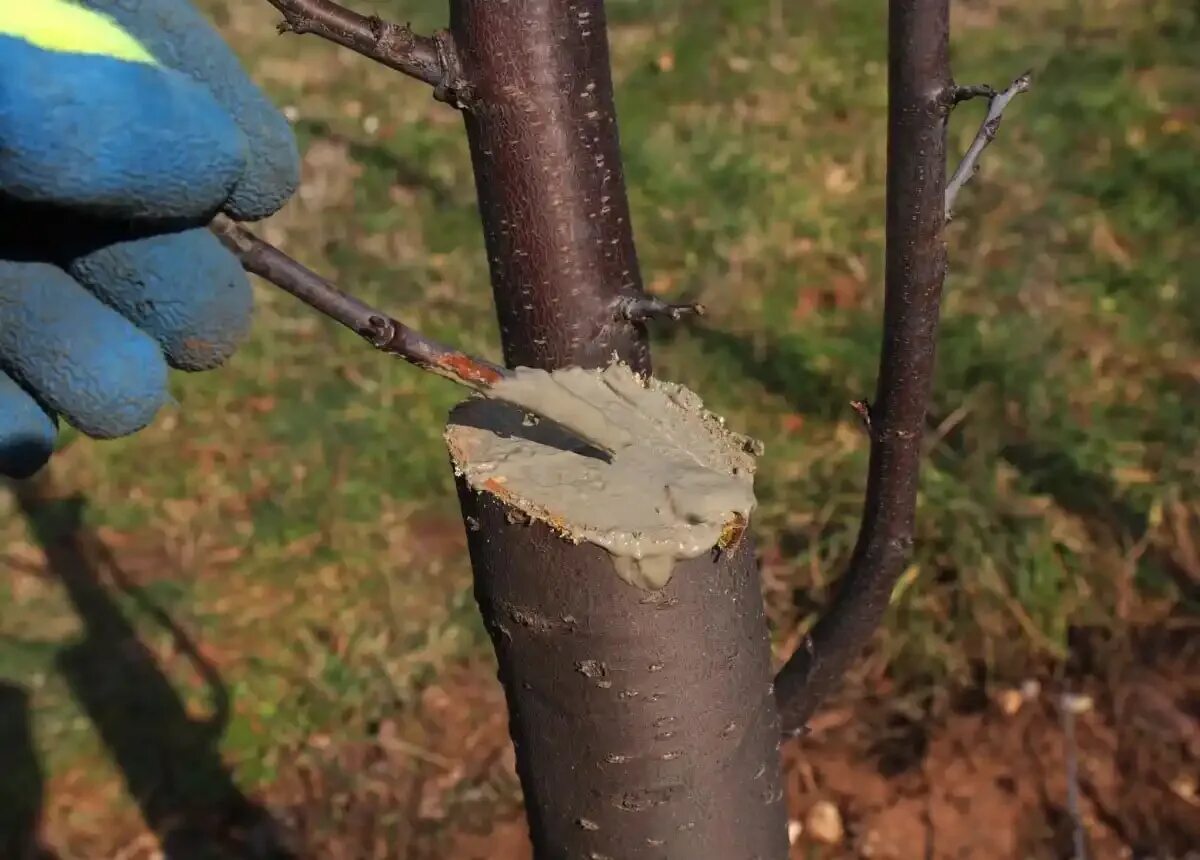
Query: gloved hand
{"points": [[125, 125]]}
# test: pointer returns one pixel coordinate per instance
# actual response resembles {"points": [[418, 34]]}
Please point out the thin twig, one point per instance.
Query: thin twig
{"points": [[377, 328], [394, 45], [997, 102], [642, 308]]}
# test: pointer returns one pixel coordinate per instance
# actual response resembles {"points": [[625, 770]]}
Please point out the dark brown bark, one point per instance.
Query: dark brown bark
{"points": [[543, 134], [644, 723], [920, 97]]}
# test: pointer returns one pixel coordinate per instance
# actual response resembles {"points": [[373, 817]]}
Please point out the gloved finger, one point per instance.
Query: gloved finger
{"points": [[181, 38], [26, 431], [80, 357], [184, 289], [90, 121]]}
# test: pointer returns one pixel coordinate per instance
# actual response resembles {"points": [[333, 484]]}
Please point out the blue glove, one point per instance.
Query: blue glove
{"points": [[125, 125]]}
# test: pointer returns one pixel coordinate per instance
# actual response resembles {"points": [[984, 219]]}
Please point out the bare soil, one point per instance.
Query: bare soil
{"points": [[988, 779], [985, 781]]}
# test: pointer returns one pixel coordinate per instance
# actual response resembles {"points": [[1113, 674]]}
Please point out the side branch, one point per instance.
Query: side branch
{"points": [[378, 329], [997, 102], [920, 96], [394, 45]]}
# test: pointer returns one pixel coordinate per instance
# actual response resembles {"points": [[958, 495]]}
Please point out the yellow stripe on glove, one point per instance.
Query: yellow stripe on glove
{"points": [[56, 25]]}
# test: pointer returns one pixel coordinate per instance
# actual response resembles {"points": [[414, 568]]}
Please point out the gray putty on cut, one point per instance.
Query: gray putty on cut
{"points": [[636, 466]]}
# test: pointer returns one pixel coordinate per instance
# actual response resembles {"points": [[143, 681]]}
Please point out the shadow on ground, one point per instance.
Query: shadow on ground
{"points": [[22, 781], [169, 760]]}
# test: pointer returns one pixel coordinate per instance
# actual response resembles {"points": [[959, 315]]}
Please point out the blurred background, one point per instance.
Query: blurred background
{"points": [[252, 623]]}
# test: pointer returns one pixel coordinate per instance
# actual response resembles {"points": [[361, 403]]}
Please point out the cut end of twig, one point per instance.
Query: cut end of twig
{"points": [[644, 308], [468, 370]]}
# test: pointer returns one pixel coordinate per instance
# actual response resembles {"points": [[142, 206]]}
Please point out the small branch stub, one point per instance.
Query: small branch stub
{"points": [[642, 308], [962, 94], [863, 409]]}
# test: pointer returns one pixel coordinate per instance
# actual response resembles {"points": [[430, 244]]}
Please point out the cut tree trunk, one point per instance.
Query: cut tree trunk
{"points": [[644, 722]]}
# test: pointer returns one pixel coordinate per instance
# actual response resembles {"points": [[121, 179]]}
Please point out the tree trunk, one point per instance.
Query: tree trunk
{"points": [[644, 722], [543, 134]]}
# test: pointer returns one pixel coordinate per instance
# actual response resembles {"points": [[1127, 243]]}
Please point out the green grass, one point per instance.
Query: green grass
{"points": [[283, 511]]}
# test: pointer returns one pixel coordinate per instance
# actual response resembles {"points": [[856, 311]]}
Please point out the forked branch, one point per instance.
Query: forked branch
{"points": [[997, 102], [378, 329], [428, 59], [920, 96]]}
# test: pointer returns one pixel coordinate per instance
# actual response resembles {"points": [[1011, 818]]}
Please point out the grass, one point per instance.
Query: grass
{"points": [[295, 511]]}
